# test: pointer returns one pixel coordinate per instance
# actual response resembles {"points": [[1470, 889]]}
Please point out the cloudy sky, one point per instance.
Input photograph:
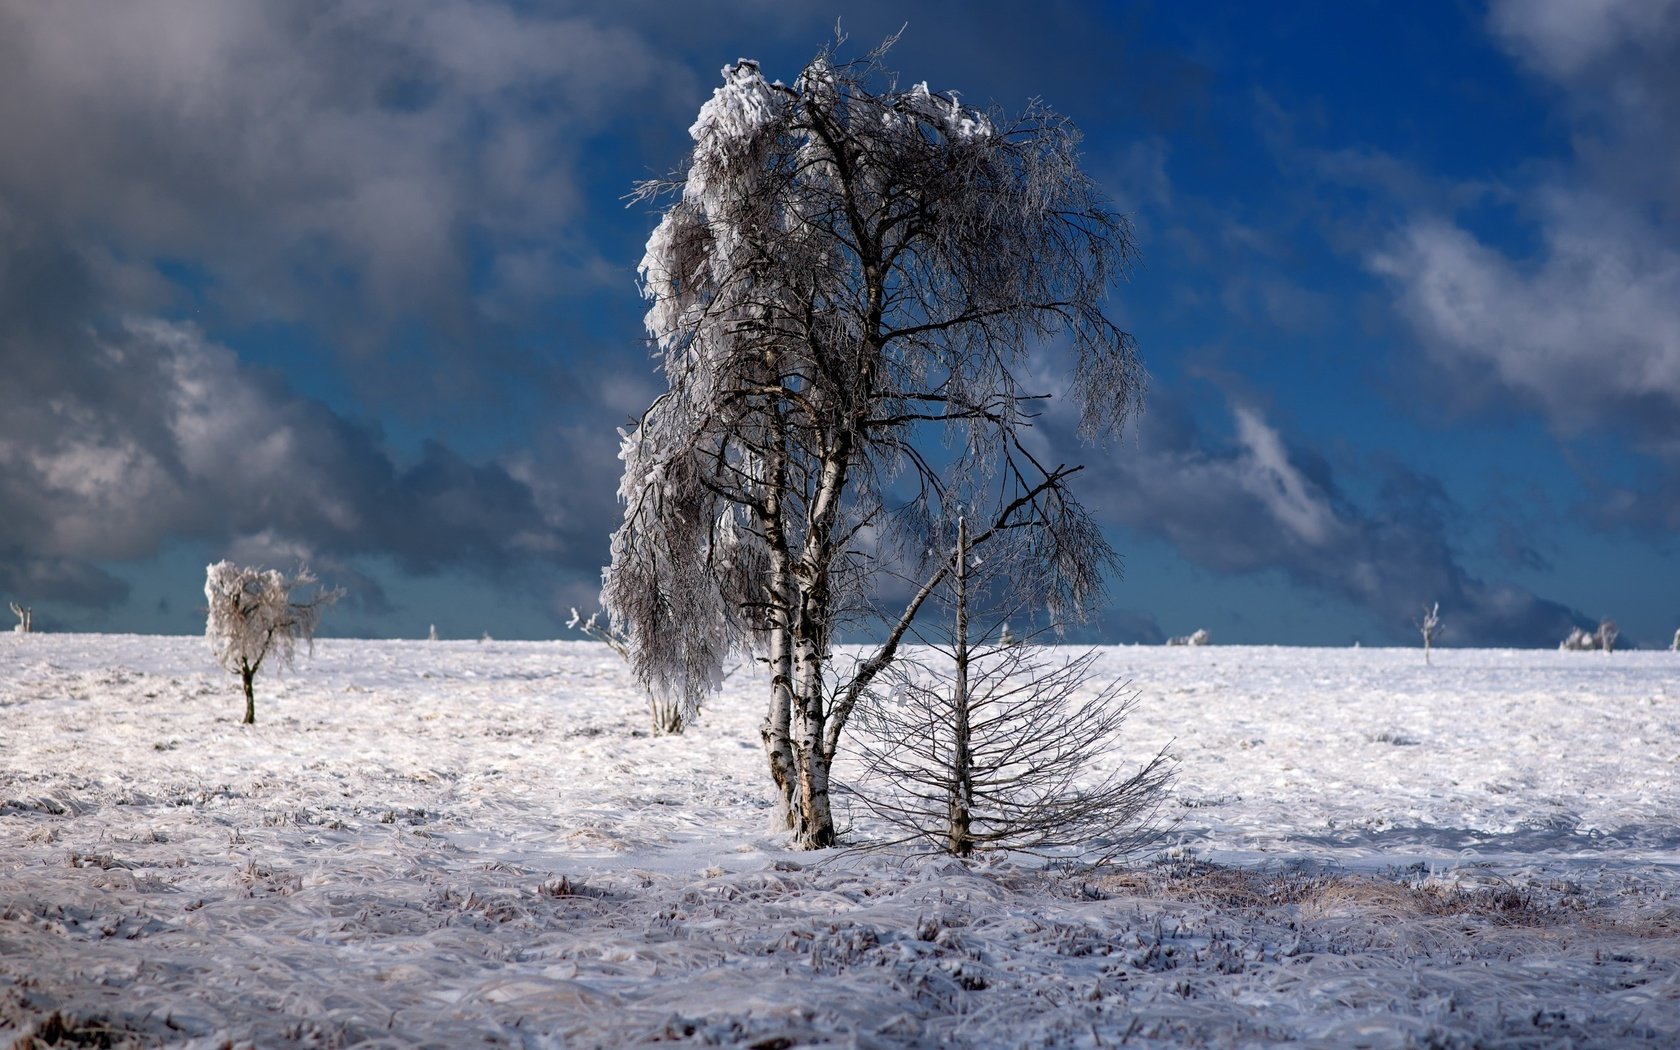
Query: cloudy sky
{"points": [[352, 282]]}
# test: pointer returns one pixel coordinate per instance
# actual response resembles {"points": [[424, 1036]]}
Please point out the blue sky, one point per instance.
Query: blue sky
{"points": [[354, 283]]}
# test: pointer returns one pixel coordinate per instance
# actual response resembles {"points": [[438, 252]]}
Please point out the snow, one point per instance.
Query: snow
{"points": [[458, 843]]}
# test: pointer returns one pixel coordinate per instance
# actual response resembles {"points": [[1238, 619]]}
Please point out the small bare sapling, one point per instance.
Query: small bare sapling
{"points": [[253, 615], [26, 618], [999, 747]]}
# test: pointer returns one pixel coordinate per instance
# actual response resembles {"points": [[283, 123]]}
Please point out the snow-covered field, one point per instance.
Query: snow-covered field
{"points": [[461, 844]]}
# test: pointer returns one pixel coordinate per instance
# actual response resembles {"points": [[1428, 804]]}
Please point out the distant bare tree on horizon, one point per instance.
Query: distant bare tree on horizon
{"points": [[1429, 626]]}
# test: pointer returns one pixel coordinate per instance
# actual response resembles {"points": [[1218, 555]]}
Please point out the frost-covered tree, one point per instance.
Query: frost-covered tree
{"points": [[26, 618], [1675, 646], [1429, 625], [845, 291], [1607, 634], [979, 747], [253, 616]]}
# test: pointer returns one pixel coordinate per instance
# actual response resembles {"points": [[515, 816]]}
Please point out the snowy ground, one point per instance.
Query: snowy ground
{"points": [[455, 844]]}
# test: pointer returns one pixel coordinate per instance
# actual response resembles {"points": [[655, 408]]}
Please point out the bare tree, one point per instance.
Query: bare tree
{"points": [[849, 273], [26, 618], [1675, 646], [998, 747], [670, 716], [1429, 626], [253, 616]]}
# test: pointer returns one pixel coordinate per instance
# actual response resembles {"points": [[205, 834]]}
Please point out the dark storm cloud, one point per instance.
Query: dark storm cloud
{"points": [[1253, 503], [348, 166], [397, 180], [1130, 627], [198, 445], [117, 436], [33, 578], [1082, 59]]}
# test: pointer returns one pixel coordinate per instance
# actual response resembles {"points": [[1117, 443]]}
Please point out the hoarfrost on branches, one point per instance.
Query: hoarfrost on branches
{"points": [[253, 616]]}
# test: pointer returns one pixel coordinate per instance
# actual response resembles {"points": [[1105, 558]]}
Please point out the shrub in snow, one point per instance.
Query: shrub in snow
{"points": [[26, 618], [253, 617], [669, 716], [1430, 627], [997, 747], [851, 273], [1199, 637]]}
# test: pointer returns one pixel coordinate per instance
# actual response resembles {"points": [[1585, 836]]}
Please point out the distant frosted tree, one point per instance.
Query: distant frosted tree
{"points": [[1200, 636], [1579, 640], [1607, 634], [26, 618], [254, 617], [845, 293], [1675, 646], [1429, 625]]}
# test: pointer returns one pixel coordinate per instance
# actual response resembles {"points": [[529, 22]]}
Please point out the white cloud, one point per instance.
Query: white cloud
{"points": [[1265, 471], [1585, 326], [1589, 335], [1564, 38]]}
